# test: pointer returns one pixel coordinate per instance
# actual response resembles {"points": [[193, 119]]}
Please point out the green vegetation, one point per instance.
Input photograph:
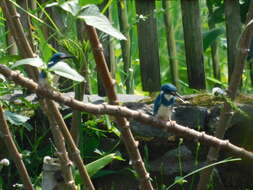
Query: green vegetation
{"points": [[142, 50]]}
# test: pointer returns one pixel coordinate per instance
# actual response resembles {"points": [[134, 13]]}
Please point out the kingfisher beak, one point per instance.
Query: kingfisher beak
{"points": [[67, 57], [179, 97]]}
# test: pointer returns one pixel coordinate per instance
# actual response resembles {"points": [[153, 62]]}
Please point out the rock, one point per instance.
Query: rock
{"points": [[168, 163]]}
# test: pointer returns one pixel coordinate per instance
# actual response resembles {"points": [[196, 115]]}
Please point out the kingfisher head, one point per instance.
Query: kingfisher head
{"points": [[170, 89], [58, 57]]}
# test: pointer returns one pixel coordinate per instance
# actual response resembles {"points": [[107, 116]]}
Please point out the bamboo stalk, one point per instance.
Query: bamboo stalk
{"points": [[214, 46], [171, 44], [16, 156], [126, 45], [17, 31]]}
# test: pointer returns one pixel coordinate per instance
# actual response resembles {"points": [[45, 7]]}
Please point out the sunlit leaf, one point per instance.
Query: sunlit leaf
{"points": [[97, 165], [72, 7], [180, 180], [2, 78], [15, 119], [64, 70], [35, 62], [93, 17]]}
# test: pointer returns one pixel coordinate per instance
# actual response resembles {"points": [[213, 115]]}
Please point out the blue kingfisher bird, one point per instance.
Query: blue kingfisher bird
{"points": [[54, 59], [58, 57], [163, 105]]}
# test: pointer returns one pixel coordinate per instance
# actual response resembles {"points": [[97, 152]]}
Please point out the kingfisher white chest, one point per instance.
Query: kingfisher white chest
{"points": [[165, 112]]}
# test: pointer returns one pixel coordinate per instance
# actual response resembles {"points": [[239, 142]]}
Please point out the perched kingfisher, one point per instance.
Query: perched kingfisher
{"points": [[58, 57], [54, 59], [163, 105]]}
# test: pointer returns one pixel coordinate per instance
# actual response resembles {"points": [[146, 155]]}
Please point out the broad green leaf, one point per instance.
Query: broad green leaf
{"points": [[64, 70], [97, 165], [35, 62], [86, 2], [210, 36], [92, 16], [14, 118]]}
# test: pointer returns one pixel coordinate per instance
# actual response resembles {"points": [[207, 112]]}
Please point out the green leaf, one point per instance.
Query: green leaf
{"points": [[15, 119], [92, 16], [217, 16], [210, 36], [86, 2], [180, 180], [35, 62], [64, 70], [97, 165]]}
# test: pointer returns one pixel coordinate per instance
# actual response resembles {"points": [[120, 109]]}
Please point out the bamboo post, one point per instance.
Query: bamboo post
{"points": [[148, 46], [193, 43]]}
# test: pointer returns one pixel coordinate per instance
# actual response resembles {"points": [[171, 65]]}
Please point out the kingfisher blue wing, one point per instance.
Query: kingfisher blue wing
{"points": [[157, 104]]}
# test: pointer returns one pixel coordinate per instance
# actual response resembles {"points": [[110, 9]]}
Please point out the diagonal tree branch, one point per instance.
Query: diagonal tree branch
{"points": [[127, 136], [16, 156], [125, 112]]}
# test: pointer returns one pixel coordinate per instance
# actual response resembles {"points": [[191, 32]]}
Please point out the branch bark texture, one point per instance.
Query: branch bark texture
{"points": [[128, 113], [127, 136]]}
